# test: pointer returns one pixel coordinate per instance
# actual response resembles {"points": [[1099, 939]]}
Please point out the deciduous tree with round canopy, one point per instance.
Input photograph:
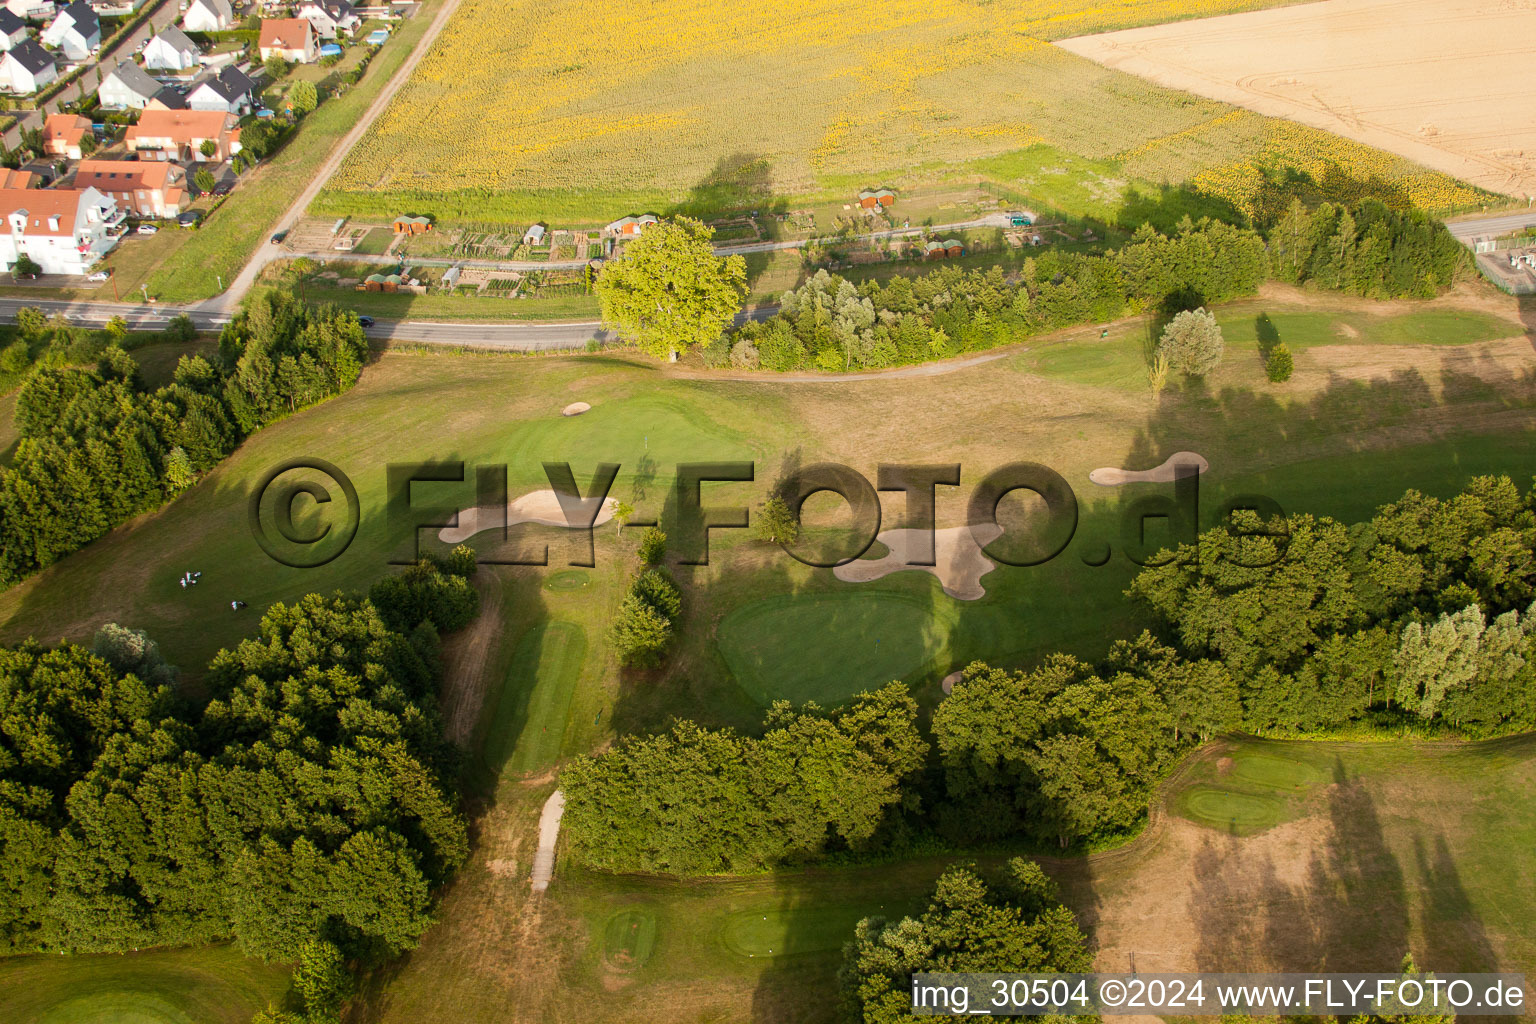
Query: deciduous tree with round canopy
{"points": [[669, 292]]}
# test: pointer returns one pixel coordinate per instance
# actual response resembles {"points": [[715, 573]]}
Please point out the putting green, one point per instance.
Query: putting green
{"points": [[117, 1007], [191, 985], [1231, 811], [1280, 773], [528, 729], [568, 579], [788, 932], [629, 939], [828, 647]]}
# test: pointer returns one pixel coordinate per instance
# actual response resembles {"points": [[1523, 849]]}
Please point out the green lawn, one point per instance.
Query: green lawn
{"points": [[226, 241], [1120, 359], [208, 985], [528, 724]]}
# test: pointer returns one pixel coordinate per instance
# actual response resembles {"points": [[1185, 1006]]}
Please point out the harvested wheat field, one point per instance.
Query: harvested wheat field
{"points": [[1445, 83]]}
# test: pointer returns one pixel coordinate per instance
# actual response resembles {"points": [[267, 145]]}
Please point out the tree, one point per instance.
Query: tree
{"points": [[132, 651], [178, 470], [322, 981], [116, 329], [275, 66], [25, 266], [776, 524], [1279, 364], [87, 143], [669, 292], [622, 511], [303, 97], [639, 633], [203, 179], [973, 923], [1192, 341]]}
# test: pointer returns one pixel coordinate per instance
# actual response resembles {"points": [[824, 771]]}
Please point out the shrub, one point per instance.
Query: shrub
{"points": [[1279, 364], [744, 355], [653, 544]]}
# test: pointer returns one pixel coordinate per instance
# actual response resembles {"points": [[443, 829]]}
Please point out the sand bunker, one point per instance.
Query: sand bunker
{"points": [[960, 563], [1109, 476], [575, 409], [538, 507]]}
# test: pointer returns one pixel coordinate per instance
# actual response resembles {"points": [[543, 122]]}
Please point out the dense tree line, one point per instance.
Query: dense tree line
{"points": [[1367, 249], [832, 324], [308, 802], [697, 801], [1009, 922], [97, 447]]}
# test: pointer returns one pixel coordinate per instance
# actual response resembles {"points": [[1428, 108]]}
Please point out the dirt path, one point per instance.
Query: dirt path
{"points": [[268, 252], [549, 832], [465, 655]]}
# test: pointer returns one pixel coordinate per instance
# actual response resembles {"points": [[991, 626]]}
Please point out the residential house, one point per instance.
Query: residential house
{"points": [[406, 225], [62, 230], [292, 39], [208, 16], [128, 87], [18, 179], [872, 197], [32, 10], [150, 188], [630, 227], [180, 134], [230, 91], [12, 29], [331, 18], [26, 68], [63, 133], [171, 50], [76, 32]]}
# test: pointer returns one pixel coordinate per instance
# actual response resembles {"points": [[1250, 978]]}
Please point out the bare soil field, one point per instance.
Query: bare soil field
{"points": [[1446, 83]]}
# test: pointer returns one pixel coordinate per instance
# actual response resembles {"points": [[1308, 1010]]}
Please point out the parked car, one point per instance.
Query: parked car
{"points": [[277, 239], [98, 277], [147, 229], [189, 219], [366, 321], [221, 190]]}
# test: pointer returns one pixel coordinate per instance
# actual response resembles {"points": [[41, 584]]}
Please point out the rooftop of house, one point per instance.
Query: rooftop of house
{"points": [[285, 33], [177, 40], [41, 206]]}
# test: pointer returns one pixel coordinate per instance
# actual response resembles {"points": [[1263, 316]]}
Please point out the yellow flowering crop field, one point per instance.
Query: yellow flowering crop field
{"points": [[583, 110]]}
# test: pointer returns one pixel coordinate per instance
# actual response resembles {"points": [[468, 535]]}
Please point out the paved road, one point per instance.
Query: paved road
{"points": [[1491, 225], [525, 337], [268, 251]]}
